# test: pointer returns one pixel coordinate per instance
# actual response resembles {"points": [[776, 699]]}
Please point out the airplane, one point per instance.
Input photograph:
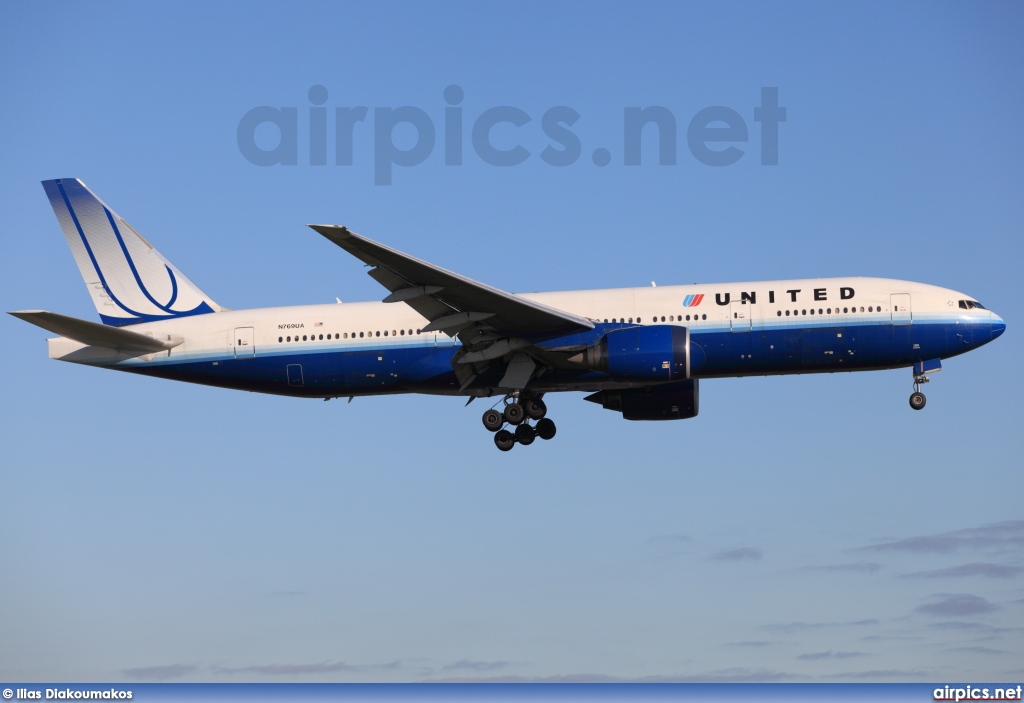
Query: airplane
{"points": [[638, 351]]}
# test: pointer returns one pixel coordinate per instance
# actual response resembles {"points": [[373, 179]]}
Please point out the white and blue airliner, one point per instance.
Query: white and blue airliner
{"points": [[637, 351]]}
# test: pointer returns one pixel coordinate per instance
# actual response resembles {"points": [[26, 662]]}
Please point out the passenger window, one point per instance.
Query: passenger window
{"points": [[360, 335], [704, 317], [662, 318], [779, 313], [321, 337], [803, 312], [279, 339], [844, 309], [819, 311], [787, 313], [385, 333], [812, 311], [829, 311]]}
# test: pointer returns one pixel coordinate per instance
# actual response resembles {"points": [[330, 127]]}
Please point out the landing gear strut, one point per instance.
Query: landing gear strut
{"points": [[517, 413]]}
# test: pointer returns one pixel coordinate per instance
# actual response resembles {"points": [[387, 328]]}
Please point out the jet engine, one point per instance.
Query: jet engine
{"points": [[650, 353], [669, 401]]}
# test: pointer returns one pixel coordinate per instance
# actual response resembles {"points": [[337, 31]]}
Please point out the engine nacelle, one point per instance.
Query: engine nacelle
{"points": [[671, 401], [651, 353]]}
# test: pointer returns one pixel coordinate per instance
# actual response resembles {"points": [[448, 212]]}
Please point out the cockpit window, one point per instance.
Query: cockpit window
{"points": [[971, 304]]}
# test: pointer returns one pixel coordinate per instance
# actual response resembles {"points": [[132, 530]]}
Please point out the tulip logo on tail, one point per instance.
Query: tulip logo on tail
{"points": [[692, 301]]}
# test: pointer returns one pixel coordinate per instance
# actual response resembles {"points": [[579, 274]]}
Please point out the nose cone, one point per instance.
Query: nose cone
{"points": [[998, 326]]}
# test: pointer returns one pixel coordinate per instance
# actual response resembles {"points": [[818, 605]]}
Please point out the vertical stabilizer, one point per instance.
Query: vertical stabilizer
{"points": [[128, 279]]}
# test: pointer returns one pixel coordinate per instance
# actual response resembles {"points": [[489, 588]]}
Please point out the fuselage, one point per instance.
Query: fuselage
{"points": [[741, 329]]}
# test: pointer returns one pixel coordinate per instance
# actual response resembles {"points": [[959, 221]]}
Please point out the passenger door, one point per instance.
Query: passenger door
{"points": [[740, 316], [900, 306], [245, 343]]}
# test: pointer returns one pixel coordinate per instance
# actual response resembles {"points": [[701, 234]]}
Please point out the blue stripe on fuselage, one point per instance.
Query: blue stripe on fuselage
{"points": [[348, 369]]}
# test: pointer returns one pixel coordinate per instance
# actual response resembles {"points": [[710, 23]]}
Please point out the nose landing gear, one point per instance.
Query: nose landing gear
{"points": [[518, 413], [917, 399], [921, 371]]}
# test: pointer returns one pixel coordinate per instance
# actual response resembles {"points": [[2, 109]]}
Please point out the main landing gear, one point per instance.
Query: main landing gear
{"points": [[517, 413]]}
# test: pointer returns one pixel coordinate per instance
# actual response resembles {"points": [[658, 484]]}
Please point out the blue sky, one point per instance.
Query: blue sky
{"points": [[801, 528]]}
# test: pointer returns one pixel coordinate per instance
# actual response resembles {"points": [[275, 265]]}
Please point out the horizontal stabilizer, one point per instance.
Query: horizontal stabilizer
{"points": [[95, 334]]}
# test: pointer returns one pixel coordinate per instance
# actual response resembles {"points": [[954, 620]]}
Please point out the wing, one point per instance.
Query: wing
{"points": [[494, 326]]}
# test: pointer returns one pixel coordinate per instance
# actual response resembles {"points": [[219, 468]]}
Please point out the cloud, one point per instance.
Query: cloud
{"points": [[883, 638], [956, 605], [734, 675], [475, 665], [803, 626], [973, 627], [324, 667], [879, 674], [817, 656], [978, 650], [999, 535], [560, 678], [994, 571], [169, 671], [752, 643], [673, 539], [862, 567], [738, 554]]}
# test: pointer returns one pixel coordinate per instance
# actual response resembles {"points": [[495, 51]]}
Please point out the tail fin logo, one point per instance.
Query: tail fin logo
{"points": [[126, 276], [692, 301]]}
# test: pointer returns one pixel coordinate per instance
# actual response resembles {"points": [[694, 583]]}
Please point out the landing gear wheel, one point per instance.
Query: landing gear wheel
{"points": [[514, 413], [545, 428], [493, 420], [535, 408], [504, 440], [525, 434], [917, 400]]}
